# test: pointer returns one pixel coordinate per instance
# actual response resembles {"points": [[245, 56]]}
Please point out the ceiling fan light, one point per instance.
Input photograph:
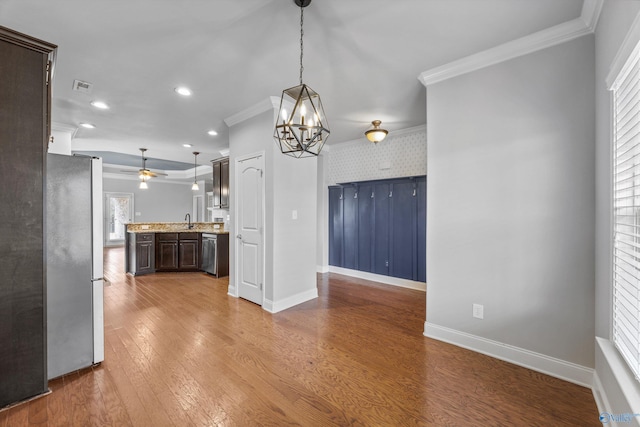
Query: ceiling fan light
{"points": [[376, 134], [143, 185]]}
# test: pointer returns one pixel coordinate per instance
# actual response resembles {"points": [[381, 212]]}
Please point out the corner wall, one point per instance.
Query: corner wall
{"points": [[511, 210], [290, 185]]}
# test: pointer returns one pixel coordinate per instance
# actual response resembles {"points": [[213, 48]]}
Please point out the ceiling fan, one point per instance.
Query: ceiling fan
{"points": [[144, 173]]}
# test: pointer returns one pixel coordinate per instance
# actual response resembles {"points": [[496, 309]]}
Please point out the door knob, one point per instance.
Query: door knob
{"points": [[239, 236]]}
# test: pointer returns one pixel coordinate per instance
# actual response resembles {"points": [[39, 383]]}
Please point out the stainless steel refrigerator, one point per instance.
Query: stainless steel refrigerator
{"points": [[74, 240]]}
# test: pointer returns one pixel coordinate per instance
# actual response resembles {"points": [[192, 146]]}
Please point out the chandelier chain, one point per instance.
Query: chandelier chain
{"points": [[301, 43]]}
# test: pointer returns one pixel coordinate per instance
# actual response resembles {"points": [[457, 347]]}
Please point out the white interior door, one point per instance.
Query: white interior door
{"points": [[250, 214], [118, 211]]}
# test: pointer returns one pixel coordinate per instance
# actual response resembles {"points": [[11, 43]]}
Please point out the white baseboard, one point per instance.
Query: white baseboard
{"points": [[388, 280], [562, 369], [276, 306], [599, 394], [322, 268]]}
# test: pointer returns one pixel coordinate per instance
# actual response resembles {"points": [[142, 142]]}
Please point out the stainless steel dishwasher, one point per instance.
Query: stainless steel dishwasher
{"points": [[209, 250]]}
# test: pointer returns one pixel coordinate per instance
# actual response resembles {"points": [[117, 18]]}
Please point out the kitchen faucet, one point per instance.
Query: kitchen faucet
{"points": [[187, 218]]}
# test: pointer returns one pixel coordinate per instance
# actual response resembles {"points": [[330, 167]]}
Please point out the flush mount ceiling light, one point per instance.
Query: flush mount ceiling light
{"points": [[195, 187], [187, 145], [101, 105], [303, 132], [212, 132], [88, 125], [184, 91], [376, 134]]}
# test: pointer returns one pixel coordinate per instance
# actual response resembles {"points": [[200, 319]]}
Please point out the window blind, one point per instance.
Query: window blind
{"points": [[626, 212]]}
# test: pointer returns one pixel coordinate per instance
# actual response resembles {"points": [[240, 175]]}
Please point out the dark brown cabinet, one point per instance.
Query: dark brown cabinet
{"points": [[221, 183], [25, 68], [177, 251], [188, 256], [180, 251], [166, 251], [141, 259]]}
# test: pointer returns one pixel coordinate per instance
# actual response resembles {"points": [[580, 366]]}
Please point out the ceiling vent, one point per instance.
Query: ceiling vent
{"points": [[80, 86]]}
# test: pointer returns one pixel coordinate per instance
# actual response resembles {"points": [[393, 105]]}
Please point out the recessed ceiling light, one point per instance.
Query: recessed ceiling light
{"points": [[184, 91], [88, 125], [212, 133], [187, 145], [101, 105]]}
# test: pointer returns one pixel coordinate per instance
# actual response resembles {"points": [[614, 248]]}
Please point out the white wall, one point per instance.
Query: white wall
{"points": [[616, 388], [290, 184], [61, 142], [402, 153], [511, 208], [161, 202]]}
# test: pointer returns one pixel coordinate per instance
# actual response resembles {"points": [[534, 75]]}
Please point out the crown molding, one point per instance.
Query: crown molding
{"points": [[629, 44], [543, 39], [259, 108], [591, 10]]}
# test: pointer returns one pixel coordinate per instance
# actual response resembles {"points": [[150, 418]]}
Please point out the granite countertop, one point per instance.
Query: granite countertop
{"points": [[176, 227]]}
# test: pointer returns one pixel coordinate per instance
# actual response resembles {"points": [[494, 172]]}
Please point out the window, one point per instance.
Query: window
{"points": [[626, 211]]}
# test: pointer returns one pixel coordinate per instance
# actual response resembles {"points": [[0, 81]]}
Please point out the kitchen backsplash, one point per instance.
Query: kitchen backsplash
{"points": [[399, 155]]}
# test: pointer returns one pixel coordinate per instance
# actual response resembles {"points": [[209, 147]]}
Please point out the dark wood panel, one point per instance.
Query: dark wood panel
{"points": [[335, 226], [166, 254], [188, 255], [365, 227], [223, 254], [403, 230], [350, 227], [23, 117], [381, 212], [145, 257]]}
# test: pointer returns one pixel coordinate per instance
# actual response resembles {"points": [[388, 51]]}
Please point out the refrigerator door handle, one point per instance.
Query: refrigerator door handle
{"points": [[98, 279]]}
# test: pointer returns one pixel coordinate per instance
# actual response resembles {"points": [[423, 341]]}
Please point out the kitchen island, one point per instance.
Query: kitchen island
{"points": [[174, 246]]}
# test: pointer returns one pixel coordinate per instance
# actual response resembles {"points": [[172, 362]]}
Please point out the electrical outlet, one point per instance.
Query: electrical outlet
{"points": [[478, 311]]}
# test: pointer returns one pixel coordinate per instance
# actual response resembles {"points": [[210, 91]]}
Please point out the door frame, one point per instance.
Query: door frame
{"points": [[236, 222], [105, 215]]}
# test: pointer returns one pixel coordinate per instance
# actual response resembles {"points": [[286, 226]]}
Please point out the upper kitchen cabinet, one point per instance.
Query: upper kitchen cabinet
{"points": [[26, 66], [221, 183]]}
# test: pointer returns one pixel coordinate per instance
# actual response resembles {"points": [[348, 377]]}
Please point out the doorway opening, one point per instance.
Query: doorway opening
{"points": [[118, 211]]}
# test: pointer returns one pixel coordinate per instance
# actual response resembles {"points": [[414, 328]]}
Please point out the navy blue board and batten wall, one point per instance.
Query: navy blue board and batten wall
{"points": [[379, 226]]}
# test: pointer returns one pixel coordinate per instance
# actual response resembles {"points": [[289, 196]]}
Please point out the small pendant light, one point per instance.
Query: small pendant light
{"points": [[195, 187], [142, 174]]}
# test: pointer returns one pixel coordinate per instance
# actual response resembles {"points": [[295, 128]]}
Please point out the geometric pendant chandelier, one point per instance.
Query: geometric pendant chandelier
{"points": [[301, 125]]}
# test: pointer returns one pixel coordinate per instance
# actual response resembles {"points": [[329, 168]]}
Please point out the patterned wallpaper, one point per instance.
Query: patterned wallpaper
{"points": [[402, 154]]}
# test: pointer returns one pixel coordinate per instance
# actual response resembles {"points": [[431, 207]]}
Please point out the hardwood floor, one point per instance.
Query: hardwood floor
{"points": [[180, 352]]}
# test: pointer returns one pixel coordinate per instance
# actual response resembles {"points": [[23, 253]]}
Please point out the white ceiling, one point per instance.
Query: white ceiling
{"points": [[362, 56]]}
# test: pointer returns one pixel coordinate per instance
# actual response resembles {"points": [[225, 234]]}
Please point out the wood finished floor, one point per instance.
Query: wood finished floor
{"points": [[180, 352]]}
